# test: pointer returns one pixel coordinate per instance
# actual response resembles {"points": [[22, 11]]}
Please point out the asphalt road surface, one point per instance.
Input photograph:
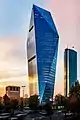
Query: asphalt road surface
{"points": [[28, 115], [37, 116]]}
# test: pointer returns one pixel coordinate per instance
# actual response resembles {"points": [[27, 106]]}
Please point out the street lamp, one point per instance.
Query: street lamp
{"points": [[23, 87], [23, 90]]}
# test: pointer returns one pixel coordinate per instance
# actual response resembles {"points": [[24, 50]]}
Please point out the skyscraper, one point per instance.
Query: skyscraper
{"points": [[42, 48], [70, 69]]}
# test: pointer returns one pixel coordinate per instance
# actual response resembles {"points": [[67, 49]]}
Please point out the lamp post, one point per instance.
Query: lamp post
{"points": [[23, 87]]}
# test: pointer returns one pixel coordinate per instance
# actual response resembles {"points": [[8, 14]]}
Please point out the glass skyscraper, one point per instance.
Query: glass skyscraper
{"points": [[42, 48], [70, 69]]}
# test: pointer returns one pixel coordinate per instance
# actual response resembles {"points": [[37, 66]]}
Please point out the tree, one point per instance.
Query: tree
{"points": [[48, 108], [6, 99], [74, 97], [33, 102], [75, 89], [1, 107], [6, 102], [14, 103], [60, 100], [21, 104]]}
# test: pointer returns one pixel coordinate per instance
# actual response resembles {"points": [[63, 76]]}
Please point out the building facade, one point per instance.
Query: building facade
{"points": [[42, 48], [70, 69], [13, 92]]}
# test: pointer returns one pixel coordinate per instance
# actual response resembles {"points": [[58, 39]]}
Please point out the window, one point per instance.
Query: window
{"points": [[10, 88], [17, 89], [31, 28], [13, 88]]}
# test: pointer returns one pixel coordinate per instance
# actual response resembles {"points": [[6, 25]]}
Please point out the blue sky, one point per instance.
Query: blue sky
{"points": [[14, 16]]}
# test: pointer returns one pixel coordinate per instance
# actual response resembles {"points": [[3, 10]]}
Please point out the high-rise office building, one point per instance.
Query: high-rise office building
{"points": [[70, 69], [42, 48]]}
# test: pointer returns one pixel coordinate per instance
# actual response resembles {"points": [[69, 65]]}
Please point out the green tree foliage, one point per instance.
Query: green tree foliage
{"points": [[6, 102], [6, 99], [14, 103], [75, 90], [10, 103], [62, 101], [21, 104], [33, 102], [74, 97], [1, 107], [48, 109]]}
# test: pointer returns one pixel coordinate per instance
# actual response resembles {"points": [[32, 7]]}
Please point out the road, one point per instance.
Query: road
{"points": [[37, 116], [29, 115]]}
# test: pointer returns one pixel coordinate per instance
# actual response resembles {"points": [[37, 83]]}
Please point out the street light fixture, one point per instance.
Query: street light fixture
{"points": [[23, 90]]}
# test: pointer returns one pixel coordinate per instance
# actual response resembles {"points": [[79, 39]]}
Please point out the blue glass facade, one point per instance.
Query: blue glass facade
{"points": [[46, 41], [70, 66]]}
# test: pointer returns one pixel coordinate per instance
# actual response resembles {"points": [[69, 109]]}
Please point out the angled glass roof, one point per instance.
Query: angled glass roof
{"points": [[47, 16]]}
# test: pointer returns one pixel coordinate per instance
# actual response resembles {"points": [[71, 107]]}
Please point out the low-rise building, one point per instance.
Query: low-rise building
{"points": [[13, 92]]}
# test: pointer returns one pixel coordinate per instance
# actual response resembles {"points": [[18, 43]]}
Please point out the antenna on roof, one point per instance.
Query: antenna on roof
{"points": [[67, 46]]}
